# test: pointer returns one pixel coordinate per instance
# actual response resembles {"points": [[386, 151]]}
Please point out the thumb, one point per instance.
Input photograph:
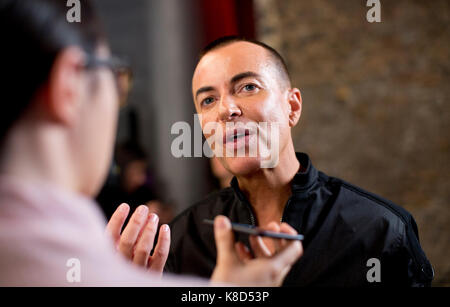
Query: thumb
{"points": [[224, 237]]}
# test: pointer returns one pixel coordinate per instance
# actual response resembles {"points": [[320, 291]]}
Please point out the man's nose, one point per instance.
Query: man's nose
{"points": [[228, 109]]}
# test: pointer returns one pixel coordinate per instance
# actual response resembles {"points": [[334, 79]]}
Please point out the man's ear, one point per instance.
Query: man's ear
{"points": [[65, 86], [295, 106]]}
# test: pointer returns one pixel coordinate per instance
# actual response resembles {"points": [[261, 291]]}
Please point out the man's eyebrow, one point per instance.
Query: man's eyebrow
{"points": [[235, 79], [243, 75], [203, 89]]}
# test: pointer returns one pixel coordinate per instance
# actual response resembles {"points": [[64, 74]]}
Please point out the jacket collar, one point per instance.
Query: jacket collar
{"points": [[302, 181], [306, 176]]}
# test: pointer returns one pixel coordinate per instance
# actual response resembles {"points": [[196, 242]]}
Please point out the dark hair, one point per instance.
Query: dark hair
{"points": [[32, 34], [226, 40]]}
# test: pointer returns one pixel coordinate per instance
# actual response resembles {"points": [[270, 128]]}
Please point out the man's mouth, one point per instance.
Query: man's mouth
{"points": [[235, 135]]}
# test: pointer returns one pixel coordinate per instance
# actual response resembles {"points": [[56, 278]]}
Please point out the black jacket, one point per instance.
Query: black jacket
{"points": [[344, 226]]}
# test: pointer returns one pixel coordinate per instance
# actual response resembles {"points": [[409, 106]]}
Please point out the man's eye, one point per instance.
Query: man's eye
{"points": [[207, 101], [249, 87]]}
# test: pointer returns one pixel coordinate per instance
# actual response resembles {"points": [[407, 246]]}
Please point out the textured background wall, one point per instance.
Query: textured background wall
{"points": [[375, 100]]}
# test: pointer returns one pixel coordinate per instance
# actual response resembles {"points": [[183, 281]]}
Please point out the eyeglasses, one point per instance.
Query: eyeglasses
{"points": [[122, 74]]}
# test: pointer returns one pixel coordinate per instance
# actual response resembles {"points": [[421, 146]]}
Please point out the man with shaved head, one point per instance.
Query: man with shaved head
{"points": [[351, 237]]}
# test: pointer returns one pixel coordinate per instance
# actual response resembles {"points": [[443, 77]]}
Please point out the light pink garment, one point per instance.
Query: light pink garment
{"points": [[42, 227]]}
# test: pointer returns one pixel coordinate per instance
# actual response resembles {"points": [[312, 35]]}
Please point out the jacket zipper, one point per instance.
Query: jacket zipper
{"points": [[252, 218]]}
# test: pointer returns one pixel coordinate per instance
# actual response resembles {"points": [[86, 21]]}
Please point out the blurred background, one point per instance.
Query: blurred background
{"points": [[376, 107]]}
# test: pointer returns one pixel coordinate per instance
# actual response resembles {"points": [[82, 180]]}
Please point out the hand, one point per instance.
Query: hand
{"points": [[236, 265], [136, 240]]}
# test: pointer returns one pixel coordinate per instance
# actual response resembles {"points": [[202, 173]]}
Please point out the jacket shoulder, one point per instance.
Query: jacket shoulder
{"points": [[368, 209], [374, 204]]}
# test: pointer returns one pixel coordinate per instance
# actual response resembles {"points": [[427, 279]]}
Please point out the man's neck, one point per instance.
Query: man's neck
{"points": [[268, 190]]}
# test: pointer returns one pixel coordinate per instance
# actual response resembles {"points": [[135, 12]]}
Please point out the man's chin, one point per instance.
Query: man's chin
{"points": [[241, 166]]}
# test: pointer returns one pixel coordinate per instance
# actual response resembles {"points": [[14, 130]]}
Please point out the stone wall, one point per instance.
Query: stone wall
{"points": [[375, 100]]}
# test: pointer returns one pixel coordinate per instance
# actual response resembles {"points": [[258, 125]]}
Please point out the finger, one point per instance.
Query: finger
{"points": [[224, 237], [132, 230], [159, 258], [280, 265], [273, 226], [145, 242], [286, 228], [115, 224], [288, 255], [243, 252], [258, 247], [144, 225]]}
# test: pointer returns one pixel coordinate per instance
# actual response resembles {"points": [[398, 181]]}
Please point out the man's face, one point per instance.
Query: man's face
{"points": [[240, 83]]}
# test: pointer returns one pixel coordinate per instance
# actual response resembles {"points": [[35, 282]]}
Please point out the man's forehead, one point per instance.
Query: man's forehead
{"points": [[239, 49], [226, 61]]}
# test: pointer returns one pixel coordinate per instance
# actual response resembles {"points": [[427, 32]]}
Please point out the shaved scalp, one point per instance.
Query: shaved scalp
{"points": [[277, 59]]}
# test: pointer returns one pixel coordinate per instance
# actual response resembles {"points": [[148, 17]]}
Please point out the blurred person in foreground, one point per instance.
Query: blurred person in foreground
{"points": [[57, 136], [352, 238]]}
